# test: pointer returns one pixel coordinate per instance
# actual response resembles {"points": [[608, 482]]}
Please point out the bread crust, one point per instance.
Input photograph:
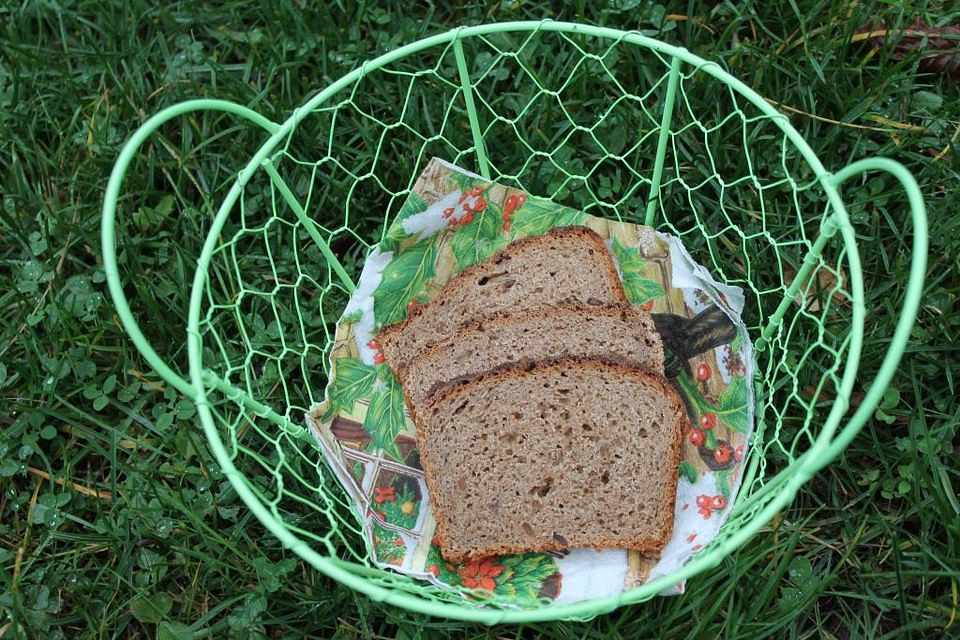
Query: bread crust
{"points": [[611, 366], [387, 334], [627, 312]]}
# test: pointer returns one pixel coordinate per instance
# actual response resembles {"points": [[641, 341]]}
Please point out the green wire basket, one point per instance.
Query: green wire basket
{"points": [[611, 122]]}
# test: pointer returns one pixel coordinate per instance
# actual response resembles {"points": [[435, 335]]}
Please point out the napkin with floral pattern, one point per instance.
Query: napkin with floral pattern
{"points": [[452, 219]]}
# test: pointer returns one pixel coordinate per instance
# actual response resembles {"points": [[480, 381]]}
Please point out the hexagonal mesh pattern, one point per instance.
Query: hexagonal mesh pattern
{"points": [[566, 116]]}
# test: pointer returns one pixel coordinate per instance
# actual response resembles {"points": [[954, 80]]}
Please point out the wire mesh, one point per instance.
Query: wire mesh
{"points": [[574, 118], [569, 113]]}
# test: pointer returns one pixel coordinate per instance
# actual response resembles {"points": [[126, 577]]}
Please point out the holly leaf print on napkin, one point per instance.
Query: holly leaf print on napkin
{"points": [[403, 278], [636, 285], [524, 575], [731, 406], [480, 238], [385, 418], [353, 380], [536, 216]]}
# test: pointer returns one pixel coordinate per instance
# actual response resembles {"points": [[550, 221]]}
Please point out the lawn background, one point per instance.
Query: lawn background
{"points": [[114, 521]]}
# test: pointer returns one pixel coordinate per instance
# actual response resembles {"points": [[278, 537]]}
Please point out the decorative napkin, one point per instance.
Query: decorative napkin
{"points": [[451, 220]]}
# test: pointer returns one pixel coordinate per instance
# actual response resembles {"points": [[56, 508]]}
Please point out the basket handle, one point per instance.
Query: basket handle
{"points": [[911, 301], [108, 223]]}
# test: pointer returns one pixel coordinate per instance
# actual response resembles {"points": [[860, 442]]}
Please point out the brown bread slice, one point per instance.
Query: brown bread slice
{"points": [[619, 331], [578, 453], [569, 264]]}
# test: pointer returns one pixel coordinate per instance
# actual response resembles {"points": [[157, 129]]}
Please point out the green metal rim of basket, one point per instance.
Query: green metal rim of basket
{"points": [[829, 442]]}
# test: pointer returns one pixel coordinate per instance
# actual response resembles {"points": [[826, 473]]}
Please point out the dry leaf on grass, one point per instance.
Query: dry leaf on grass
{"points": [[939, 47], [812, 294]]}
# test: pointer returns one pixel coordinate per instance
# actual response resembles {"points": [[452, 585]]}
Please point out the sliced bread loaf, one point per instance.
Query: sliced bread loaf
{"points": [[577, 453], [583, 330], [569, 264]]}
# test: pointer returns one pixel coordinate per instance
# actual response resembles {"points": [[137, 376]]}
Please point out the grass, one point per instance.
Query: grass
{"points": [[116, 522]]}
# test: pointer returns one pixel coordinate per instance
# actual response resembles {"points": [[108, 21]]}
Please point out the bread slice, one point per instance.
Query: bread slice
{"points": [[568, 264], [578, 453], [582, 330]]}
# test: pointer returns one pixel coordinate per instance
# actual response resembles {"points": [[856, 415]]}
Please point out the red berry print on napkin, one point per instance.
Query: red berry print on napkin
{"points": [[703, 372], [512, 203], [378, 357], [708, 504]]}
